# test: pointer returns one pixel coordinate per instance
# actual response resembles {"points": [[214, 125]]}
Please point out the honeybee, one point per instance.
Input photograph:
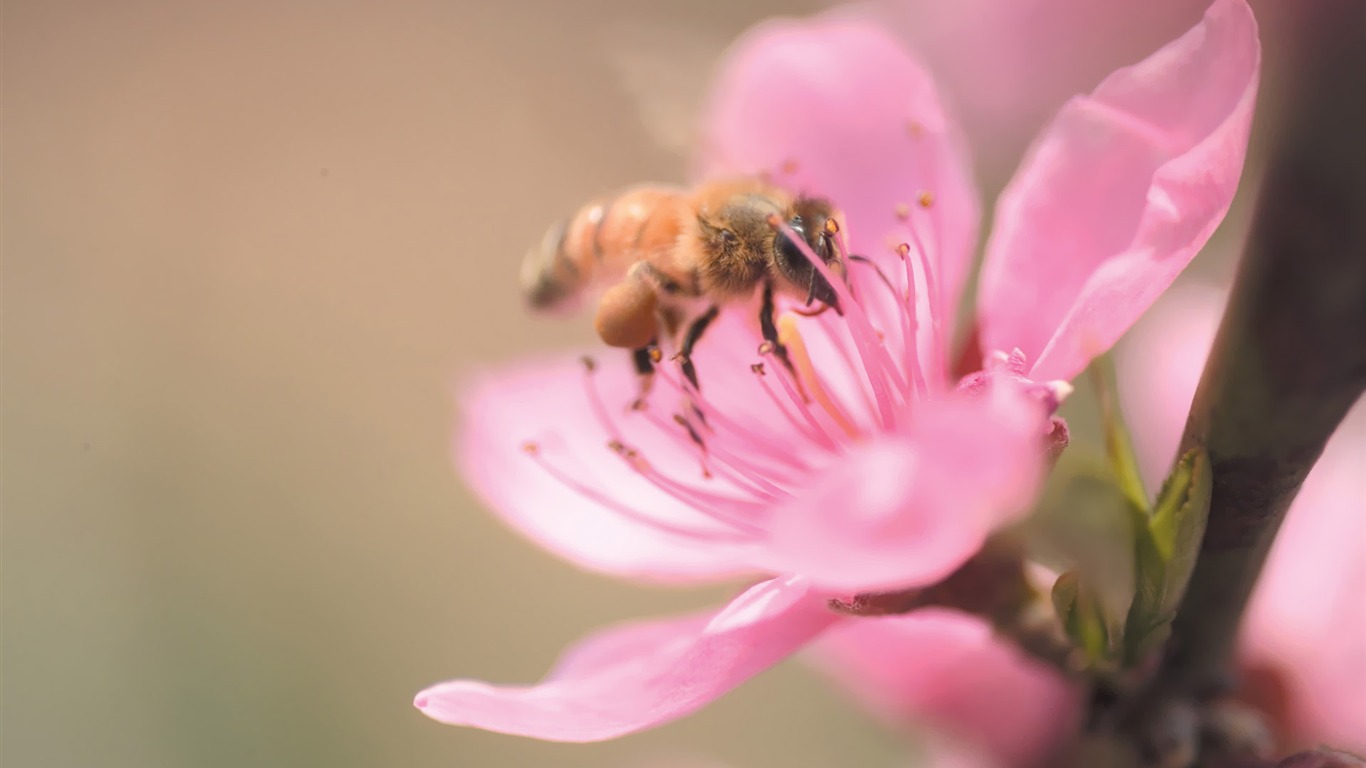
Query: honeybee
{"points": [[671, 258]]}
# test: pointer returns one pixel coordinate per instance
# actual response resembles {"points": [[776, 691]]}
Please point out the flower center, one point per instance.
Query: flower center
{"points": [[755, 441]]}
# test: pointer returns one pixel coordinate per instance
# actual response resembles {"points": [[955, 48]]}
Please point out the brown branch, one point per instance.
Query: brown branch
{"points": [[1290, 356]]}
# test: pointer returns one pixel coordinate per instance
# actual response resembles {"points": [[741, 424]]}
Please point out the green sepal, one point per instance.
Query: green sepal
{"points": [[1165, 553], [1082, 618]]}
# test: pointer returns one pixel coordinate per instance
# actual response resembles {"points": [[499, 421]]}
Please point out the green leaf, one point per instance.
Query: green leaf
{"points": [[1178, 522], [1082, 618], [1165, 552]]}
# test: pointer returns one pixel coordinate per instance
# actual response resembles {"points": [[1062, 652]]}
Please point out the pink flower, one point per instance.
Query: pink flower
{"points": [[946, 671], [1303, 648], [1028, 56], [887, 477]]}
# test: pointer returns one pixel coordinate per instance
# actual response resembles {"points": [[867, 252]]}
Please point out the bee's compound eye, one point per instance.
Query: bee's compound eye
{"points": [[789, 243], [728, 237]]}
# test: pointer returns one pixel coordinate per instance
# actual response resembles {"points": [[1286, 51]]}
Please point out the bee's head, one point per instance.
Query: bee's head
{"points": [[813, 220]]}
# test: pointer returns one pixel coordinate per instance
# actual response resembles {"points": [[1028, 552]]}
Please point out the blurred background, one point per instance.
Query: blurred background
{"points": [[249, 250]]}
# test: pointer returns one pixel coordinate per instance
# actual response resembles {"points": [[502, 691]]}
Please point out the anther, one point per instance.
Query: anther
{"points": [[531, 448], [789, 166], [775, 221], [616, 446], [757, 368], [1060, 389], [915, 129], [639, 404], [767, 348], [925, 199], [903, 250], [589, 364], [902, 211], [655, 355], [832, 227]]}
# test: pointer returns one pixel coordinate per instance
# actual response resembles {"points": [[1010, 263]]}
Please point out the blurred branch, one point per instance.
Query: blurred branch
{"points": [[993, 585], [1290, 357]]}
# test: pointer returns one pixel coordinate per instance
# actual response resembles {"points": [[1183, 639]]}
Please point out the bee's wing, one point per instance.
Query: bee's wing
{"points": [[666, 70]]}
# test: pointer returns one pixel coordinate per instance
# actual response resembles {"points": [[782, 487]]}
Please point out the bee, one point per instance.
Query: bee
{"points": [[670, 258]]}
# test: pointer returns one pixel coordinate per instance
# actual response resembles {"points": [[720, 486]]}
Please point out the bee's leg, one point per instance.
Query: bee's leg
{"points": [[690, 339], [644, 359], [768, 325], [627, 313]]}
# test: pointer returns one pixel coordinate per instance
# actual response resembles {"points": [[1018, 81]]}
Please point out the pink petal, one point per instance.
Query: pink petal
{"points": [[907, 509], [629, 527], [645, 674], [1009, 66], [1307, 619], [1118, 195], [1160, 364], [835, 106], [948, 671]]}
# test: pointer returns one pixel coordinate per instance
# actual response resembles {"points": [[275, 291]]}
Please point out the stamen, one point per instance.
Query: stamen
{"points": [[756, 475], [901, 300], [877, 367], [840, 339], [695, 440], [911, 329], [806, 372], [604, 499], [590, 367], [932, 289], [742, 477], [717, 419], [723, 509], [869, 263], [709, 504], [813, 429], [893, 370]]}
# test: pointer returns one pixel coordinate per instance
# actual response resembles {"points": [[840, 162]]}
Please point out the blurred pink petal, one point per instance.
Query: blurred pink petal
{"points": [[1307, 620], [947, 671], [1305, 630], [637, 531], [906, 512], [1029, 56], [645, 674], [837, 106], [1159, 366], [1118, 194]]}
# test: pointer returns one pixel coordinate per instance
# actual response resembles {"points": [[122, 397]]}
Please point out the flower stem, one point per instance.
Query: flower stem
{"points": [[1290, 356]]}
